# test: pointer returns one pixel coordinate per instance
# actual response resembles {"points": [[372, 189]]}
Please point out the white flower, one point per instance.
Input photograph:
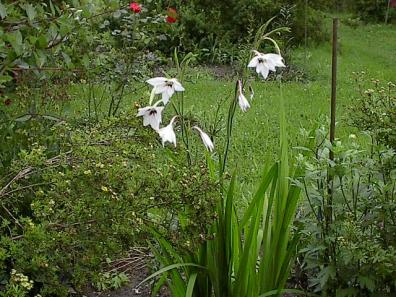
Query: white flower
{"points": [[152, 115], [251, 93], [167, 134], [264, 63], [165, 86], [243, 102], [205, 139]]}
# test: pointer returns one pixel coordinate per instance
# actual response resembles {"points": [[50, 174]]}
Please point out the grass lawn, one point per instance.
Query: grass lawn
{"points": [[255, 136], [370, 48]]}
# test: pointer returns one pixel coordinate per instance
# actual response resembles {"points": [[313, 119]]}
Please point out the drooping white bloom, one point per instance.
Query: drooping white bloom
{"points": [[167, 134], [165, 86], [264, 63], [152, 115], [205, 139], [243, 102], [251, 93]]}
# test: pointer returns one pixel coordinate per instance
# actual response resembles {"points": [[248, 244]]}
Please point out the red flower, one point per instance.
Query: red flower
{"points": [[393, 3], [170, 20], [135, 7], [7, 102], [171, 15]]}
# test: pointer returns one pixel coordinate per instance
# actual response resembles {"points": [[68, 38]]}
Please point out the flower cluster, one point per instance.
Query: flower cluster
{"points": [[171, 14], [21, 279], [167, 87], [152, 114]]}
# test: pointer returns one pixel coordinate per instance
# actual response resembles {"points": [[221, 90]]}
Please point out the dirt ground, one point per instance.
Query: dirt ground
{"points": [[135, 266]]}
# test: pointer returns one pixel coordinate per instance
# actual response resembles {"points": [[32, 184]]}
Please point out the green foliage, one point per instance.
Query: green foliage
{"points": [[372, 10], [349, 252], [19, 285], [310, 21], [374, 110], [108, 281], [20, 133], [94, 200], [35, 35], [219, 29], [240, 257]]}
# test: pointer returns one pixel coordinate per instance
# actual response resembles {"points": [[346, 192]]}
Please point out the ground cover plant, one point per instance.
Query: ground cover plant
{"points": [[96, 171]]}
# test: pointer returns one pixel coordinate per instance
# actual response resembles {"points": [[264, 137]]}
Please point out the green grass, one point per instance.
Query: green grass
{"points": [[255, 135], [369, 48]]}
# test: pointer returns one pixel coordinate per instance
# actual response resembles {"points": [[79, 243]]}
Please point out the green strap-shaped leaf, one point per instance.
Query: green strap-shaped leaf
{"points": [[24, 118], [190, 285], [167, 268], [287, 291]]}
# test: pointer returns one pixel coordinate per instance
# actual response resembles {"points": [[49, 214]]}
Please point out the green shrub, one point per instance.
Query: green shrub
{"points": [[64, 216], [350, 251], [219, 28], [374, 110], [372, 10]]}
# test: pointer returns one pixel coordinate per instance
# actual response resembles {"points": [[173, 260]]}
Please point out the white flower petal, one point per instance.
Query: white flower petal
{"points": [[167, 135], [159, 89], [156, 118], [151, 116], [170, 91], [264, 72], [146, 121], [156, 81], [166, 87], [178, 86], [142, 111], [165, 98], [253, 62], [154, 122], [259, 67], [243, 103], [251, 93], [275, 59], [205, 139], [270, 65]]}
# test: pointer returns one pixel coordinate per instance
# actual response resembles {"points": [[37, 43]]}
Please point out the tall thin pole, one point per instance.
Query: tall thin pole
{"points": [[306, 33], [330, 253], [333, 85], [387, 12]]}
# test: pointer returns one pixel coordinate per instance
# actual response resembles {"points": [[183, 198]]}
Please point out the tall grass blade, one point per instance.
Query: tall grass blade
{"points": [[265, 182], [190, 285], [168, 268]]}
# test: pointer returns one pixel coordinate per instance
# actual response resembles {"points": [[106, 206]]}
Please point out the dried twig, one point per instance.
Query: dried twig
{"points": [[27, 171], [136, 260], [12, 216], [23, 188]]}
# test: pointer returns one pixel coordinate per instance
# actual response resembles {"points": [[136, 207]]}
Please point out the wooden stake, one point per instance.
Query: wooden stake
{"points": [[306, 34], [330, 252], [387, 12], [333, 85]]}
